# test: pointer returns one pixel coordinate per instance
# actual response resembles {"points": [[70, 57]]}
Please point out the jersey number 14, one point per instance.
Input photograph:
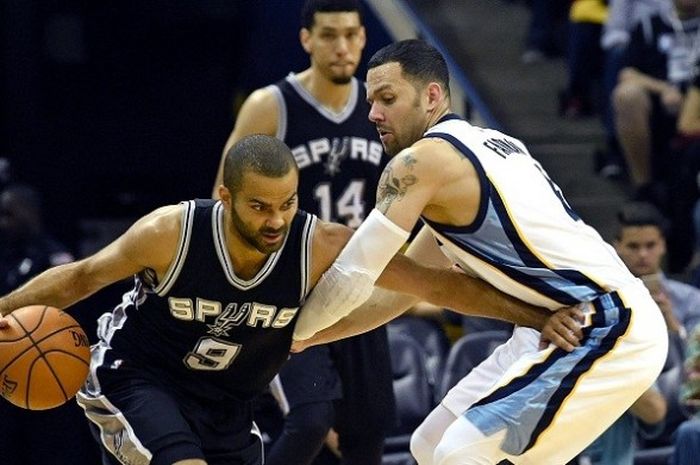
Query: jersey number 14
{"points": [[349, 208]]}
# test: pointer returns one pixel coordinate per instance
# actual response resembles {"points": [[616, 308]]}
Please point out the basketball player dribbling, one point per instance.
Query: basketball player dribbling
{"points": [[209, 322], [489, 208]]}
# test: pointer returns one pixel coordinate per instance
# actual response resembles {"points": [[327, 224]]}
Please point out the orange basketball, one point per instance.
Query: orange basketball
{"points": [[44, 357]]}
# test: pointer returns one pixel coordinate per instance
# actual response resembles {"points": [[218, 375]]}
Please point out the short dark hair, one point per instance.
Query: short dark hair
{"points": [[260, 154], [311, 7], [419, 61], [640, 214]]}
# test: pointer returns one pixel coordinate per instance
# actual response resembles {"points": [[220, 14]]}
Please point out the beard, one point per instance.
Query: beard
{"points": [[413, 130], [341, 80], [391, 149], [255, 237]]}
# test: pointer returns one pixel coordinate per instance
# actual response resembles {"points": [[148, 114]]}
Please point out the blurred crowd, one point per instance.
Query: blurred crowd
{"points": [[633, 64]]}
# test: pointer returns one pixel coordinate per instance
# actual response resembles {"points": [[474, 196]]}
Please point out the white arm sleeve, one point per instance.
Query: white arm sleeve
{"points": [[350, 280]]}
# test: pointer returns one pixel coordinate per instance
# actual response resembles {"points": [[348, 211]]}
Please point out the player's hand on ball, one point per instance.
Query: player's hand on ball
{"points": [[44, 357], [3, 322], [563, 329]]}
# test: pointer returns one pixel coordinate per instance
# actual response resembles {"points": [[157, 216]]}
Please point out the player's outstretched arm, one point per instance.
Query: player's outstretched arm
{"points": [[329, 240], [466, 295], [424, 273], [456, 291], [259, 114], [383, 305], [149, 243]]}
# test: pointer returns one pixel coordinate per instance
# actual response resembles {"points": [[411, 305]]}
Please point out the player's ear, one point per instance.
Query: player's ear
{"points": [[305, 39], [225, 195], [363, 37], [435, 94]]}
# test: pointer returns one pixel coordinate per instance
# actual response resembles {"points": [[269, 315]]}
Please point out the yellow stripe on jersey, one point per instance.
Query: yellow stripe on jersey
{"points": [[528, 244], [536, 294]]}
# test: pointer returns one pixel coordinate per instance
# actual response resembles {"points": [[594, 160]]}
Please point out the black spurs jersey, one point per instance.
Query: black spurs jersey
{"points": [[202, 329], [340, 156]]}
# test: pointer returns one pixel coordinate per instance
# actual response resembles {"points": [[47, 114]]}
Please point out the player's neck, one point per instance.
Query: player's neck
{"points": [[246, 259], [438, 114], [331, 95]]}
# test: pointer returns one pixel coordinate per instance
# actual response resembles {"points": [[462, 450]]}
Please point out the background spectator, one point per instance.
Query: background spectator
{"points": [[641, 244], [584, 58], [657, 68], [623, 18]]}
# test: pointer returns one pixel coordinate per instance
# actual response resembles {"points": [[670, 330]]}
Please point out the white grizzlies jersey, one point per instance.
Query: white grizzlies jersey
{"points": [[526, 240], [519, 405]]}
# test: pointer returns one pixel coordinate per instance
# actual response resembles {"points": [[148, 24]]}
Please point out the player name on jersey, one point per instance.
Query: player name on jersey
{"points": [[503, 147]]}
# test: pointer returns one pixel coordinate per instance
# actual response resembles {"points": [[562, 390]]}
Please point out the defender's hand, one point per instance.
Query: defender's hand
{"points": [[563, 329]]}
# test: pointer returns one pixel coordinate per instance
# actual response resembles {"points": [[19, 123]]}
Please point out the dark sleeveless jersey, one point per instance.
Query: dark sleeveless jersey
{"points": [[340, 156], [204, 331], [340, 159]]}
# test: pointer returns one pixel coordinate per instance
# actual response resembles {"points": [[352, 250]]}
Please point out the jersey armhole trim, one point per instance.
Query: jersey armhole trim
{"points": [[281, 112], [306, 257], [183, 246], [484, 185]]}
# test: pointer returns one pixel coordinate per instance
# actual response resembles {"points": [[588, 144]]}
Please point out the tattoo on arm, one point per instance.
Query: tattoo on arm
{"points": [[392, 188]]}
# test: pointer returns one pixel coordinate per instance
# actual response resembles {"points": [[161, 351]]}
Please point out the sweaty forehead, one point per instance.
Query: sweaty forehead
{"points": [[270, 189], [387, 76]]}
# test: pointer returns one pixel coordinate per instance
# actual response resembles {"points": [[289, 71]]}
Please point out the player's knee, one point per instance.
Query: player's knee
{"points": [[449, 452], [421, 448], [464, 444], [443, 454], [454, 454], [629, 97]]}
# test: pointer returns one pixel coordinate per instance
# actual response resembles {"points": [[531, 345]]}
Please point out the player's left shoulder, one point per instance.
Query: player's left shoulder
{"points": [[431, 146], [428, 156]]}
